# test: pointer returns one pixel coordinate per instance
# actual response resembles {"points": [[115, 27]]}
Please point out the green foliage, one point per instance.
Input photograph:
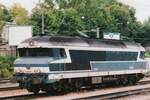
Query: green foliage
{"points": [[2, 23], [52, 21], [65, 17], [5, 73], [4, 16], [57, 21], [147, 54], [6, 66], [36, 21], [71, 22], [143, 33], [19, 14]]}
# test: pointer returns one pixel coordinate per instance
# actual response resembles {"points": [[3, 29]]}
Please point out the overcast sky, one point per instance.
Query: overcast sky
{"points": [[27, 4], [142, 6]]}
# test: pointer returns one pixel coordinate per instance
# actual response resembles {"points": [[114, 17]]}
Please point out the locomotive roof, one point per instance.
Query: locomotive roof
{"points": [[47, 41]]}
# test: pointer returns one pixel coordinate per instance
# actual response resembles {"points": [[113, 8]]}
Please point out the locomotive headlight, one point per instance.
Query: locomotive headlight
{"points": [[18, 70], [37, 71], [32, 43], [21, 71]]}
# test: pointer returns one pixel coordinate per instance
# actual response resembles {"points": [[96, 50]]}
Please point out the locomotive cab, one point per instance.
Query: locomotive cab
{"points": [[34, 64], [39, 60]]}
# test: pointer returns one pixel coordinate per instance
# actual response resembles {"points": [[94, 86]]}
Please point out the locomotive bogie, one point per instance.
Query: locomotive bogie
{"points": [[35, 85]]}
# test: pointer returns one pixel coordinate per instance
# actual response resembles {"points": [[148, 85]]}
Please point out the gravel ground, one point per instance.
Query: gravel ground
{"points": [[13, 92], [93, 93], [145, 96], [134, 97], [5, 85]]}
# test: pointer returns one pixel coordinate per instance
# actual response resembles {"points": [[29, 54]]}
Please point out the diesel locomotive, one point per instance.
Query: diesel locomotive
{"points": [[50, 64]]}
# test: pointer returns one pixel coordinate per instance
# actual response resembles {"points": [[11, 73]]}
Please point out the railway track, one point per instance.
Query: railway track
{"points": [[7, 84], [2, 81], [7, 80], [9, 88], [115, 95], [22, 97], [101, 96]]}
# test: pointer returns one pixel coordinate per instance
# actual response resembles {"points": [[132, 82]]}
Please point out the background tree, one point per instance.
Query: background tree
{"points": [[52, 19], [19, 14], [4, 16], [57, 21], [143, 33], [67, 16], [71, 22]]}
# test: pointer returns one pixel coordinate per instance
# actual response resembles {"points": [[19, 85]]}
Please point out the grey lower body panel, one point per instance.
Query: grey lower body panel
{"points": [[89, 73]]}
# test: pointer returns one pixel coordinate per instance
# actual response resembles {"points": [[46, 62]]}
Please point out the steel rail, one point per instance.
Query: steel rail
{"points": [[9, 88], [115, 95], [99, 97], [25, 96]]}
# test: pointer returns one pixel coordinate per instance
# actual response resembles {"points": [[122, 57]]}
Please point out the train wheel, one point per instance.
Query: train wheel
{"points": [[118, 82], [50, 90], [78, 84], [35, 89], [124, 81], [21, 85], [56, 87], [60, 88], [132, 80], [67, 87]]}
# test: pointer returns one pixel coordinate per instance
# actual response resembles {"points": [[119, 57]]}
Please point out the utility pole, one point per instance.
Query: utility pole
{"points": [[42, 23], [97, 31], [42, 18]]}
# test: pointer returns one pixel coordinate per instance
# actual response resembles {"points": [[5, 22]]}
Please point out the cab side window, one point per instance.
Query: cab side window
{"points": [[59, 52], [142, 54]]}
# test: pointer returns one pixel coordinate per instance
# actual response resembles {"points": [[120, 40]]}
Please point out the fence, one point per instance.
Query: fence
{"points": [[6, 50]]}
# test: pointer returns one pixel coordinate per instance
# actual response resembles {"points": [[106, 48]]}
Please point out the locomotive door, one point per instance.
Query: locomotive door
{"points": [[60, 55]]}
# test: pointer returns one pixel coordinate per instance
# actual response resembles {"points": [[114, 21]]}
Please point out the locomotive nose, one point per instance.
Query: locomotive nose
{"points": [[31, 65]]}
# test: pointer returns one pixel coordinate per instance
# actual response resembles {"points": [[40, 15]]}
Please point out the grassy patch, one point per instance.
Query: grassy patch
{"points": [[6, 66], [147, 54]]}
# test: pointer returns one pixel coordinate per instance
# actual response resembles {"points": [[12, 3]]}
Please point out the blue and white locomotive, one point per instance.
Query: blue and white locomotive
{"points": [[56, 63]]}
